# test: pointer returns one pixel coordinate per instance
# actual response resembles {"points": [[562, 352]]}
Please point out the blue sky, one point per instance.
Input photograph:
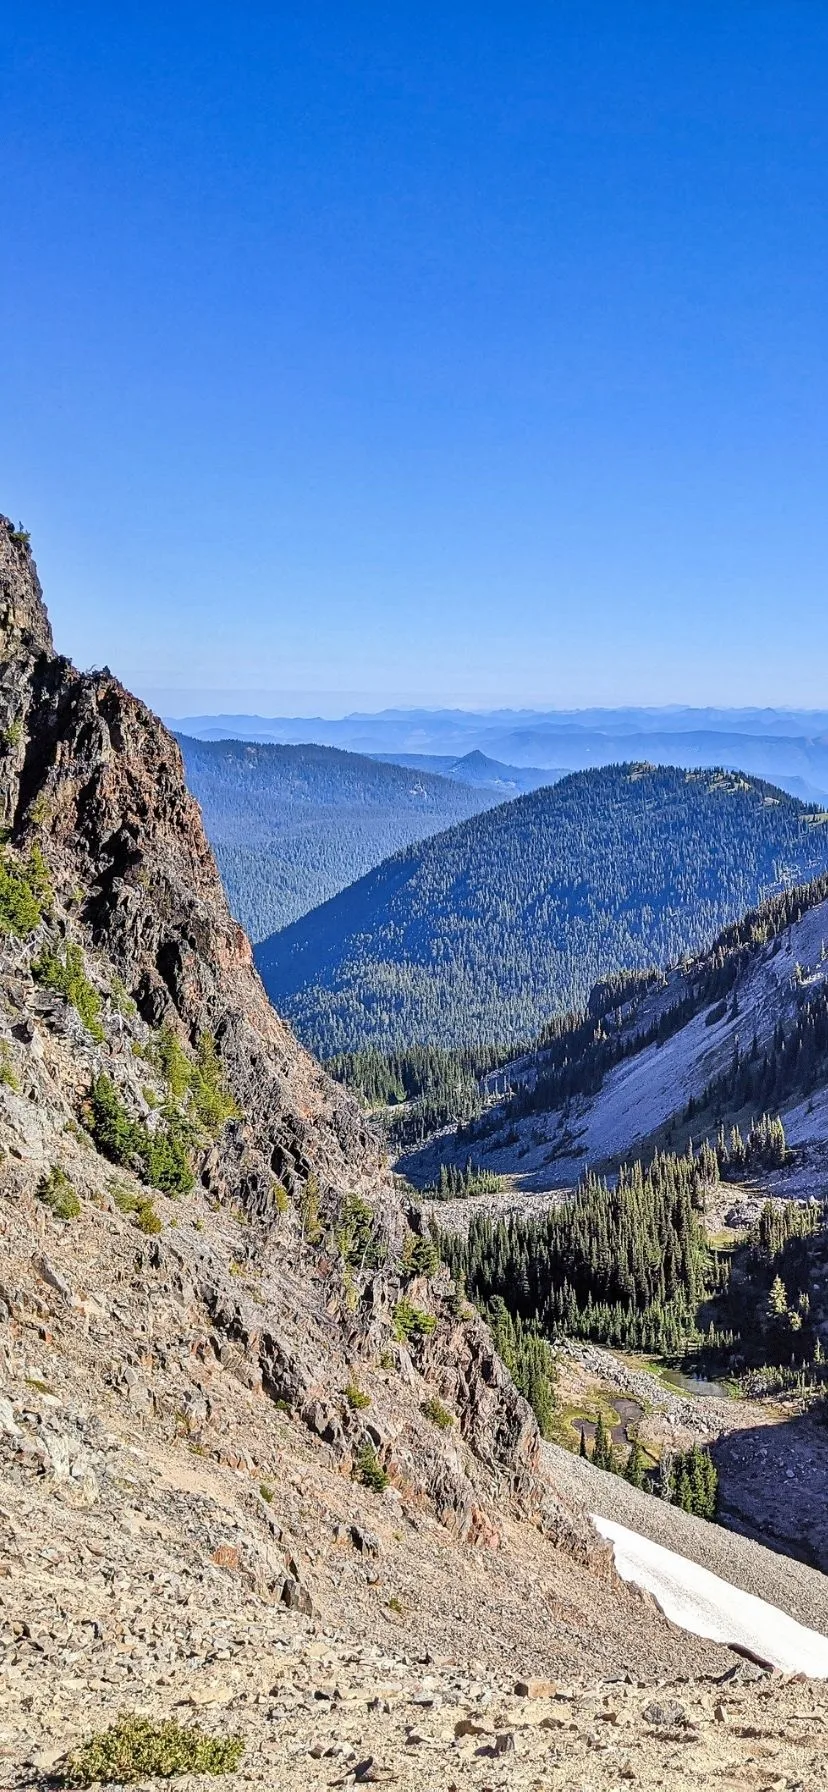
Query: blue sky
{"points": [[393, 354]]}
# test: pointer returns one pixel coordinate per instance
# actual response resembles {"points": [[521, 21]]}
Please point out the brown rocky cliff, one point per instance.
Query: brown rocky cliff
{"points": [[97, 780]]}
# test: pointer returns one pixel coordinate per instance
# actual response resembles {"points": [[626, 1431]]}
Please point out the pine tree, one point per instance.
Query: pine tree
{"points": [[777, 1299], [603, 1454], [634, 1470], [582, 1451]]}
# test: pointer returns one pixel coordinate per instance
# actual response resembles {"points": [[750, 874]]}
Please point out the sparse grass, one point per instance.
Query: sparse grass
{"points": [[58, 1194], [356, 1397], [140, 1748], [40, 1387], [125, 1200], [433, 1409], [369, 1470], [266, 1492], [395, 1605]]}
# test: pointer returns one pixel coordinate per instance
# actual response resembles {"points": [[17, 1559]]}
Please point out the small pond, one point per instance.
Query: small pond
{"points": [[695, 1384]]}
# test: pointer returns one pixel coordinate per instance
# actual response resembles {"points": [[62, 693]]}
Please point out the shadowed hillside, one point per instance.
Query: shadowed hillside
{"points": [[292, 825]]}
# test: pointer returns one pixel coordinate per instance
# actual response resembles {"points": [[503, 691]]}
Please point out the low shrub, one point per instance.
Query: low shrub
{"points": [[67, 977], [147, 1220], [25, 893], [140, 1748], [411, 1322], [433, 1409], [369, 1470], [162, 1155], [58, 1194], [356, 1397], [7, 1070], [420, 1256]]}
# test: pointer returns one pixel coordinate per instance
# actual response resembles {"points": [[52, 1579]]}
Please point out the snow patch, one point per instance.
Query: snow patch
{"points": [[704, 1604]]}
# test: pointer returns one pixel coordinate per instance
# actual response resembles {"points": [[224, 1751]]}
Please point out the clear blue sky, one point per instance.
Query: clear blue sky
{"points": [[442, 353]]}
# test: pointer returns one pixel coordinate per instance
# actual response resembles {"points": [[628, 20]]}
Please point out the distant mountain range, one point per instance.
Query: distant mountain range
{"points": [[478, 770], [291, 825], [789, 747], [485, 932]]}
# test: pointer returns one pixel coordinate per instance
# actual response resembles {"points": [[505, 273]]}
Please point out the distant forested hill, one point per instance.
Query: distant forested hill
{"points": [[483, 933], [292, 825]]}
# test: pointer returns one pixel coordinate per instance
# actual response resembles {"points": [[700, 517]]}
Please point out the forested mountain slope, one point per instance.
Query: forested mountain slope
{"points": [[739, 1032], [483, 933], [292, 825]]}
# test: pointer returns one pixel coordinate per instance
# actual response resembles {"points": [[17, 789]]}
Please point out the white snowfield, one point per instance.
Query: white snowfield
{"points": [[700, 1602]]}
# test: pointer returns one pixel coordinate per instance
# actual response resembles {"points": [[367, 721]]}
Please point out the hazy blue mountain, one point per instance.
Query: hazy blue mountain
{"points": [[775, 744], [477, 769], [291, 825], [483, 933]]}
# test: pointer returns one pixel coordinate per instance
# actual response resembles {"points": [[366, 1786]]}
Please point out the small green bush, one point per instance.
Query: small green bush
{"points": [[25, 893], [433, 1409], [125, 1200], [356, 1397], [266, 1492], [162, 1155], [13, 735], [281, 1198], [147, 1220], [369, 1470], [140, 1748], [309, 1209], [411, 1322], [57, 1192], [420, 1256], [7, 1070], [356, 1240], [121, 998], [67, 977], [198, 1083]]}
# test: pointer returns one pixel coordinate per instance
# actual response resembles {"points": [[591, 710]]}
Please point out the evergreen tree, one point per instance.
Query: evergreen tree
{"points": [[603, 1454], [634, 1470]]}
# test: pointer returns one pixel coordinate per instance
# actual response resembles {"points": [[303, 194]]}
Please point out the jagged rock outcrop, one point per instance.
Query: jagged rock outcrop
{"points": [[94, 777]]}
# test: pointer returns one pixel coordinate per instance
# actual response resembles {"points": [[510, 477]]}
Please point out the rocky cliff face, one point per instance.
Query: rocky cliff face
{"points": [[132, 905], [94, 778]]}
